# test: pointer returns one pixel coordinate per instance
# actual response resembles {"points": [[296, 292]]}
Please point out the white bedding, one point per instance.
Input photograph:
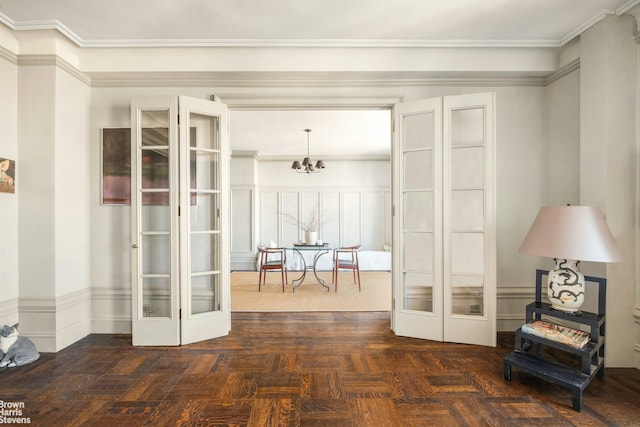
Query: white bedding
{"points": [[369, 260]]}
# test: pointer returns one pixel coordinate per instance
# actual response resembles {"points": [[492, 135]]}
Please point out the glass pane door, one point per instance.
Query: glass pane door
{"points": [[469, 220], [154, 223], [205, 296], [417, 230], [179, 209], [444, 219]]}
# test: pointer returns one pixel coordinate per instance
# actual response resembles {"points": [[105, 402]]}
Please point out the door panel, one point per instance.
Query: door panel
{"points": [[469, 219], [154, 202], [205, 274], [444, 223], [417, 174], [179, 217]]}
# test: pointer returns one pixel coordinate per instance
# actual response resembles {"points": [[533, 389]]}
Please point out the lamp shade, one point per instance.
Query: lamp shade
{"points": [[571, 232]]}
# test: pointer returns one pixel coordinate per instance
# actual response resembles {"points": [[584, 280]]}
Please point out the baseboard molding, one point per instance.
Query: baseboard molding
{"points": [[55, 323], [511, 306], [243, 262], [111, 311]]}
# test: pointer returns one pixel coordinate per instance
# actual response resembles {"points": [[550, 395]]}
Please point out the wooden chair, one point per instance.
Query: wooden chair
{"points": [[272, 259], [348, 261]]}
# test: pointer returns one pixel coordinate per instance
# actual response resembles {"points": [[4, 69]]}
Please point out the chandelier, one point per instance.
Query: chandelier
{"points": [[307, 165]]}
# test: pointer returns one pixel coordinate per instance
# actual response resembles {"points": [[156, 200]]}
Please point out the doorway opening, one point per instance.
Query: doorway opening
{"points": [[352, 194]]}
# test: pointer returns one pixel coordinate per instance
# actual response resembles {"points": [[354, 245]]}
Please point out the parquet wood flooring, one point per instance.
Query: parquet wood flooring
{"points": [[304, 369]]}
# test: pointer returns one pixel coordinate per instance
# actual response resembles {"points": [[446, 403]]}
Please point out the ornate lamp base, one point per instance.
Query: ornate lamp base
{"points": [[566, 286]]}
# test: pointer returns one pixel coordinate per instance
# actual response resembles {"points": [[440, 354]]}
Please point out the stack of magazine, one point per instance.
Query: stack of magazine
{"points": [[551, 331]]}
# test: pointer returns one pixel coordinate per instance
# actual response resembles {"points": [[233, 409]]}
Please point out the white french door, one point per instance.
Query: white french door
{"points": [[444, 219], [180, 157]]}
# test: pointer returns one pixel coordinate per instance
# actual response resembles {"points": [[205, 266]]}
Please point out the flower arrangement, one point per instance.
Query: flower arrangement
{"points": [[310, 224]]}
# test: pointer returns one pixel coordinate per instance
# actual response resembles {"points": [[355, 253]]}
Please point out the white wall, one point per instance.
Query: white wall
{"points": [[73, 184], [37, 181], [9, 202], [609, 167], [54, 231]]}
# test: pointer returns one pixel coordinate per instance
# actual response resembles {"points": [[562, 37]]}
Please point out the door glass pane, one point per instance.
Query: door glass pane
{"points": [[206, 165], [467, 295], [467, 167], [418, 211], [155, 218], [156, 254], [467, 253], [205, 293], [467, 127], [204, 256], [155, 167], [418, 293], [205, 214], [418, 251], [419, 131], [418, 170], [467, 210], [205, 243], [418, 180], [156, 293]]}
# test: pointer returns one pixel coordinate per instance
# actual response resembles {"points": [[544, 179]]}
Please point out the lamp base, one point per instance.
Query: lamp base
{"points": [[566, 286]]}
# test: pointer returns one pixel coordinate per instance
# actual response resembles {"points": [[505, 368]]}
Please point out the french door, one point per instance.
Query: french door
{"points": [[444, 219], [179, 200]]}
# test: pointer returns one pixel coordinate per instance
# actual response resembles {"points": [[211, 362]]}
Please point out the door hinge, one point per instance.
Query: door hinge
{"points": [[178, 210], [180, 314]]}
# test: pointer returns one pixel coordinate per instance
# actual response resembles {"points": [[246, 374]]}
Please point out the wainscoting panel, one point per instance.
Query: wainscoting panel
{"points": [[288, 216], [330, 226], [346, 217], [241, 214], [269, 219], [243, 227], [351, 219], [374, 216]]}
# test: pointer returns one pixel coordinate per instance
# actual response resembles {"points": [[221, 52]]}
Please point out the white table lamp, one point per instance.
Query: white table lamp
{"points": [[570, 234]]}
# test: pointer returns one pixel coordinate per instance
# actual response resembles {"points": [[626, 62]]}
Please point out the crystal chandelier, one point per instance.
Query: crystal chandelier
{"points": [[307, 165]]}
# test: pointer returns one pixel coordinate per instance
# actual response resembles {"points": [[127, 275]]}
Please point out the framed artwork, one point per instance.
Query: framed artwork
{"points": [[116, 166], [7, 176]]}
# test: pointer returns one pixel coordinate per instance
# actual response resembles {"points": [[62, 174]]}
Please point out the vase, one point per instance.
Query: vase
{"points": [[310, 237]]}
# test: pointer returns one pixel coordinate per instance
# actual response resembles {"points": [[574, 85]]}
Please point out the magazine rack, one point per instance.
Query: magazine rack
{"points": [[527, 356]]}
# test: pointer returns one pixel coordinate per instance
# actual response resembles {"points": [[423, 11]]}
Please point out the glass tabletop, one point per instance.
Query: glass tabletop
{"points": [[305, 247]]}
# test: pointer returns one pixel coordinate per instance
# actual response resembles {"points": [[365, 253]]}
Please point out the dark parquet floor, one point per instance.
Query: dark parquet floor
{"points": [[303, 369]]}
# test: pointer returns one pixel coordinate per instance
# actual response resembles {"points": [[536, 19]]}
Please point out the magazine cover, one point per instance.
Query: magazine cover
{"points": [[553, 332]]}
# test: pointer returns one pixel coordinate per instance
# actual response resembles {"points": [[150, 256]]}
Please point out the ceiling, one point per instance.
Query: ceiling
{"points": [[280, 133], [334, 133], [397, 22]]}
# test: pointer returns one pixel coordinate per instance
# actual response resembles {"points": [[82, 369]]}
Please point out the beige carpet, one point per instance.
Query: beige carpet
{"points": [[311, 296]]}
